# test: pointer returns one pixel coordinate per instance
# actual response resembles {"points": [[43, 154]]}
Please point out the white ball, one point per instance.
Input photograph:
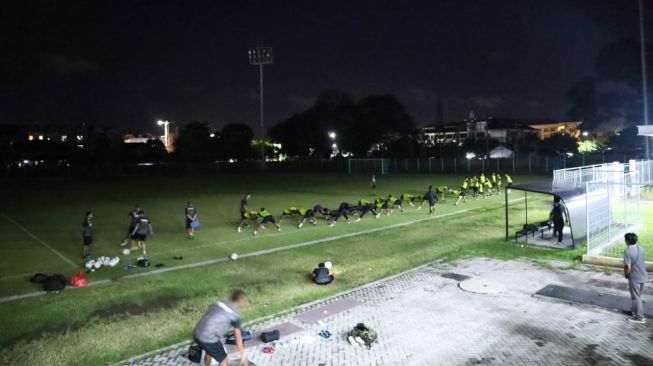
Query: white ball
{"points": [[125, 252], [328, 265], [97, 265], [90, 264], [233, 256], [522, 245]]}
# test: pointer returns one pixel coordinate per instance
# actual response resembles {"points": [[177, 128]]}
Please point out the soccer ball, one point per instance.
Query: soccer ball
{"points": [[233, 256], [125, 252], [328, 265], [90, 264]]}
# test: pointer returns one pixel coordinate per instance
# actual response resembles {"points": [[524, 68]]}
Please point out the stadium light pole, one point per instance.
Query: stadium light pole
{"points": [[644, 83], [166, 132], [261, 56]]}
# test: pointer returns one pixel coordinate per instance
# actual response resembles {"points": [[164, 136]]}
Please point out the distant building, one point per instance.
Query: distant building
{"points": [[504, 130]]}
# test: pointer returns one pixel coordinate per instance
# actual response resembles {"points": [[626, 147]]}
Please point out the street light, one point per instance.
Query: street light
{"points": [[166, 132], [585, 133], [261, 56], [332, 135]]}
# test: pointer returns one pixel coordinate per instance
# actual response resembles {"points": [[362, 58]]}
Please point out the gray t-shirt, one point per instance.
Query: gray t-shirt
{"points": [[143, 225], [634, 256], [87, 228], [220, 318]]}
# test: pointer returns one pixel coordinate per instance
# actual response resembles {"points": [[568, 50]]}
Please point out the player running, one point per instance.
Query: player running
{"points": [[431, 197], [191, 217], [441, 190], [133, 216], [373, 185], [142, 230], [462, 195]]}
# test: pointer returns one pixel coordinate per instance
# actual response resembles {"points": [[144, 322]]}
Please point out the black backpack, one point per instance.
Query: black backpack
{"points": [[194, 353], [55, 283], [38, 278], [270, 336]]}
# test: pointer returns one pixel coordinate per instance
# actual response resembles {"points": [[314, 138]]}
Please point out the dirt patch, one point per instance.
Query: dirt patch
{"points": [[112, 312], [120, 311]]}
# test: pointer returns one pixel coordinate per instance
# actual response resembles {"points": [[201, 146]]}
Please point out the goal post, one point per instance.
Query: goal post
{"points": [[369, 166]]}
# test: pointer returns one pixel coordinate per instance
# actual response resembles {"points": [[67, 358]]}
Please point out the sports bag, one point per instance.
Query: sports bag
{"points": [[143, 262], [367, 334], [231, 338], [194, 353], [38, 278], [195, 224], [78, 280], [270, 336], [54, 283]]}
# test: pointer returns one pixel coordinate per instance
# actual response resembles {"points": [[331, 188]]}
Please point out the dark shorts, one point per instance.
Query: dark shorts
{"points": [[432, 203], [267, 219], [373, 185], [508, 184], [131, 230], [462, 194], [88, 240], [140, 237], [188, 222], [215, 350], [242, 216]]}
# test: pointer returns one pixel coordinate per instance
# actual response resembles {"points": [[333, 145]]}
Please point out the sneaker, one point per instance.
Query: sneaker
{"points": [[636, 320], [359, 340], [419, 207], [255, 232], [352, 341], [349, 222], [239, 229], [124, 243], [331, 224], [300, 225], [378, 215], [314, 222], [357, 220], [278, 229]]}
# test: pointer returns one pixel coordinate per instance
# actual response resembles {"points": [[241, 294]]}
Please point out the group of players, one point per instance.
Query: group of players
{"points": [[482, 186], [474, 186]]}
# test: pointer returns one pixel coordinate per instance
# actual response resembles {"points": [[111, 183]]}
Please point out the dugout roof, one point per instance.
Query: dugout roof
{"points": [[572, 197]]}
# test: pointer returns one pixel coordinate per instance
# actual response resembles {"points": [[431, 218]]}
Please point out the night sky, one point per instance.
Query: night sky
{"points": [[129, 63]]}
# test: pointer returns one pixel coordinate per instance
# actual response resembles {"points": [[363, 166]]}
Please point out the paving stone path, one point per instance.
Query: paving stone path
{"points": [[423, 318]]}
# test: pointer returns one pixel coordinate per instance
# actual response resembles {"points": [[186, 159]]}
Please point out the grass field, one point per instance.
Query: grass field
{"points": [[40, 227]]}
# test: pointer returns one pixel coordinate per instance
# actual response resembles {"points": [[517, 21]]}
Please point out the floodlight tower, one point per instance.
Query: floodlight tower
{"points": [[642, 41], [166, 133], [261, 56]]}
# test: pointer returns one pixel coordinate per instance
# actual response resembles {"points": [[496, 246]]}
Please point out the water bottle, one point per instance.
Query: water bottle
{"points": [[133, 363]]}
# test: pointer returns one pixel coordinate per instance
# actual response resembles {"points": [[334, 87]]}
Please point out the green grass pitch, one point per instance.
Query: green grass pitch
{"points": [[127, 316]]}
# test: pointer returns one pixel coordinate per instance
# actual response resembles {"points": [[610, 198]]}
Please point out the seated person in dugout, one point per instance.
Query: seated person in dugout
{"points": [[321, 276]]}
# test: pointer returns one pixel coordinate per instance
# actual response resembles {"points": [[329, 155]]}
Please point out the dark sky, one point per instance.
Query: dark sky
{"points": [[129, 63]]}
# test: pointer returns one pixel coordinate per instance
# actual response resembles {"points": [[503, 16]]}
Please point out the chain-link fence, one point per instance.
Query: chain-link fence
{"points": [[612, 206]]}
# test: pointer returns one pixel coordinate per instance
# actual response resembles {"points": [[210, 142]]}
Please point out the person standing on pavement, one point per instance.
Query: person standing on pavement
{"points": [[218, 320], [557, 217], [635, 272]]}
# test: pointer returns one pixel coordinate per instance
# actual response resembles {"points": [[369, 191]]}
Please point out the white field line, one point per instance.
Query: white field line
{"points": [[259, 252], [23, 229]]}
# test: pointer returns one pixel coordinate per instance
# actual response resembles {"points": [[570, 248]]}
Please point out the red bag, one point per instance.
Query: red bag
{"points": [[78, 280]]}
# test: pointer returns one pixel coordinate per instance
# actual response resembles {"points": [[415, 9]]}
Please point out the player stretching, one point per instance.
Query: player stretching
{"points": [[249, 216], [266, 217], [307, 214], [365, 206], [395, 202], [289, 212], [410, 198], [442, 190], [431, 197], [319, 209], [373, 185], [333, 216]]}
